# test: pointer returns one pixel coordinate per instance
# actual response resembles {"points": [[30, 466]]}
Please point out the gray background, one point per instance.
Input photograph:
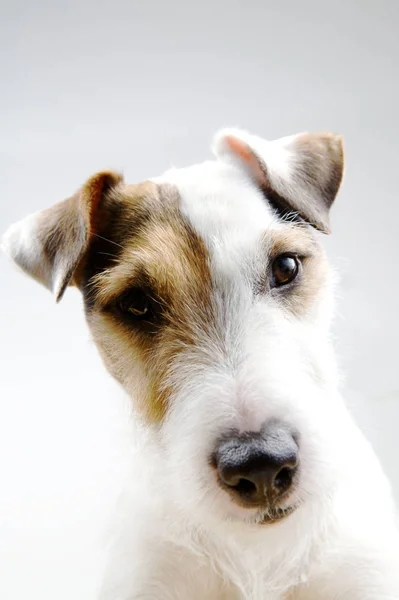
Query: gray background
{"points": [[139, 86]]}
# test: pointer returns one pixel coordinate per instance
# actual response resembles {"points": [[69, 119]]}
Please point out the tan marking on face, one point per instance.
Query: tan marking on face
{"points": [[157, 250], [300, 240]]}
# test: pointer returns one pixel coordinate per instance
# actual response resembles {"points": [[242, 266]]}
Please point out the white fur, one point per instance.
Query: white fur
{"points": [[179, 536], [23, 244], [183, 538], [279, 155], [21, 239]]}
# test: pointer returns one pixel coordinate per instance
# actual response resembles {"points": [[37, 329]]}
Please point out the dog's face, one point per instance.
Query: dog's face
{"points": [[208, 295]]}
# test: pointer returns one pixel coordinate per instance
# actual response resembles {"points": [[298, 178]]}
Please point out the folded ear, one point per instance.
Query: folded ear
{"points": [[50, 245], [300, 174]]}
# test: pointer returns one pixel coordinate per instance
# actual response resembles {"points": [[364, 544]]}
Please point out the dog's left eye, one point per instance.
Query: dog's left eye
{"points": [[285, 269]]}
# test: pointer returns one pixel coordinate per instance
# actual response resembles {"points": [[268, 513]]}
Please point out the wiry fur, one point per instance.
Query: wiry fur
{"points": [[231, 354]]}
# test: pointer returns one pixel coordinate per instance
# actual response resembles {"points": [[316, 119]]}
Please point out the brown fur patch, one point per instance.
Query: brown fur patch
{"points": [[322, 156], [65, 228], [146, 243], [314, 180]]}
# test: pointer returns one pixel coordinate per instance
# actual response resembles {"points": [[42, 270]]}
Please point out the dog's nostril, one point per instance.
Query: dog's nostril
{"points": [[245, 487], [283, 479]]}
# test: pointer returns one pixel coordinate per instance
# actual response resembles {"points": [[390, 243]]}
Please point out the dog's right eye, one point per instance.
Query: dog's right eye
{"points": [[136, 304]]}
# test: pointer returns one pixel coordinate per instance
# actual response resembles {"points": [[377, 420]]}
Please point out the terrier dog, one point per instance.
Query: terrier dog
{"points": [[209, 297]]}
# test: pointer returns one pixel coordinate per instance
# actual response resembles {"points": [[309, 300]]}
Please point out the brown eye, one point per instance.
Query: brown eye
{"points": [[284, 269], [136, 304]]}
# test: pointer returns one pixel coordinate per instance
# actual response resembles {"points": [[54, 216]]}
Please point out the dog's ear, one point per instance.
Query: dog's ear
{"points": [[51, 244], [299, 174]]}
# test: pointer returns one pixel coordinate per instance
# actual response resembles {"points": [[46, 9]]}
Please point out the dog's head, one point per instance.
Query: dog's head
{"points": [[208, 295]]}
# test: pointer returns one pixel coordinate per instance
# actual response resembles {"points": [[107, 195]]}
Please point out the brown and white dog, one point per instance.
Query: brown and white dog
{"points": [[209, 297]]}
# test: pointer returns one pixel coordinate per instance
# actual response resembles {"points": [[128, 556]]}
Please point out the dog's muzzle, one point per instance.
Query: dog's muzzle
{"points": [[259, 469]]}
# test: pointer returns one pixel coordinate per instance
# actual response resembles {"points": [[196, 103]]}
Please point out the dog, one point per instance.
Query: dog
{"points": [[209, 296]]}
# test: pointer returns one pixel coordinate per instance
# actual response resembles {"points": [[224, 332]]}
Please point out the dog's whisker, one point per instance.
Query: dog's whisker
{"points": [[107, 240], [108, 254]]}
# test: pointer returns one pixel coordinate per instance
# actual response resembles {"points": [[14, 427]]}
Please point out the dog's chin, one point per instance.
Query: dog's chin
{"points": [[276, 515], [264, 517], [272, 516]]}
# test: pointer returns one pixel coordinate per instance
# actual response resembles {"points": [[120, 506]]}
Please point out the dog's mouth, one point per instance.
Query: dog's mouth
{"points": [[277, 514]]}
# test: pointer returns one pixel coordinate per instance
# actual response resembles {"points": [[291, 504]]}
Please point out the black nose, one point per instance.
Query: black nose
{"points": [[258, 468]]}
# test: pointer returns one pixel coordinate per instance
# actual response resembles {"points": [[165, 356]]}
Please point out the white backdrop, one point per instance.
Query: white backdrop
{"points": [[139, 86]]}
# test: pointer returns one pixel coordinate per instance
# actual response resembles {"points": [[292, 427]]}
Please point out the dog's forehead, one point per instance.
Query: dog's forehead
{"points": [[194, 241], [220, 202], [187, 221]]}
